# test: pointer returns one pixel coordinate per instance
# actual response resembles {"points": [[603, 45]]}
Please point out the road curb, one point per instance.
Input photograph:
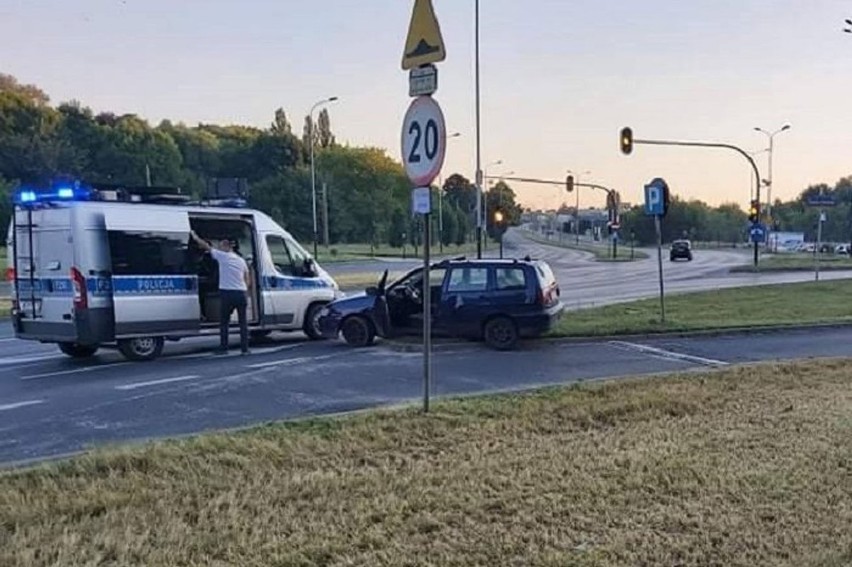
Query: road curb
{"points": [[732, 331]]}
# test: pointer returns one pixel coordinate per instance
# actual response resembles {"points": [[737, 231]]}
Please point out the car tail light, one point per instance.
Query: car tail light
{"points": [[10, 274], [81, 299]]}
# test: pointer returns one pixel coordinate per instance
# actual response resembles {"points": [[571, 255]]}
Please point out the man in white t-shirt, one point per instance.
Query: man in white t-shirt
{"points": [[234, 280]]}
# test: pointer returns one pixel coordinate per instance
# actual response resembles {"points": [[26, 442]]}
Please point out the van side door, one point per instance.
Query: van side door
{"points": [[155, 289], [280, 303]]}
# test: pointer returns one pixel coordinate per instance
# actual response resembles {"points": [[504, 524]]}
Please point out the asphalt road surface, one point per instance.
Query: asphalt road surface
{"points": [[585, 282], [53, 406]]}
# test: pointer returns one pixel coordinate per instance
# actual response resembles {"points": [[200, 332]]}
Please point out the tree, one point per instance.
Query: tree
{"points": [[459, 191], [325, 138], [281, 126], [8, 83], [398, 228], [464, 224], [451, 225]]}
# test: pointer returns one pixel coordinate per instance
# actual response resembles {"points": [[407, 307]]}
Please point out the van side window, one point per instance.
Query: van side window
{"points": [[149, 253], [299, 255], [280, 255]]}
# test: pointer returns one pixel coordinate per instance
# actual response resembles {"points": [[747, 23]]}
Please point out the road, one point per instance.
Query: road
{"points": [[587, 283], [51, 405]]}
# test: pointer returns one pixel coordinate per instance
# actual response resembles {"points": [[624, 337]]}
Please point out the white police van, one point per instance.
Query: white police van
{"points": [[94, 266]]}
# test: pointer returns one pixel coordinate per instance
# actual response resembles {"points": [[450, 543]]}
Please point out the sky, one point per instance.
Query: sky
{"points": [[559, 79]]}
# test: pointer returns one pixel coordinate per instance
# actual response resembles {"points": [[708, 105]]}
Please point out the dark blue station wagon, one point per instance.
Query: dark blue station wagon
{"points": [[498, 301]]}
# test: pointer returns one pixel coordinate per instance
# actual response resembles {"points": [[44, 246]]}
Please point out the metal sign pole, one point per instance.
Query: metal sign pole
{"points": [[818, 250], [657, 222], [427, 314]]}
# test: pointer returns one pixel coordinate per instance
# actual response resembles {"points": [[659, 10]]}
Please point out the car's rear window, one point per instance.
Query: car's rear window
{"points": [[545, 274]]}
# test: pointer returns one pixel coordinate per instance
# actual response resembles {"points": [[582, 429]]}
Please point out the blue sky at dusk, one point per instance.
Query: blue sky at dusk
{"points": [[559, 78]]}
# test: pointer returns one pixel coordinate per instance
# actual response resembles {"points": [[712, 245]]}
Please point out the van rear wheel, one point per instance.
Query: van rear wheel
{"points": [[141, 349], [77, 351]]}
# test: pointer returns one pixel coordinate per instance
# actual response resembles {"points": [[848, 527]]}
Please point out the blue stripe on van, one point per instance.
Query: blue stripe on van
{"points": [[280, 283], [121, 285], [154, 285]]}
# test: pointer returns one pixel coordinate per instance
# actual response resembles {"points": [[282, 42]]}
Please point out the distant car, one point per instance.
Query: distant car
{"points": [[842, 249], [497, 301], [808, 247], [681, 249]]}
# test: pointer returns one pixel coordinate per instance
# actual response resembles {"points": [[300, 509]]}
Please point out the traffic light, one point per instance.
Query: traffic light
{"points": [[500, 221], [754, 211], [626, 141], [569, 183]]}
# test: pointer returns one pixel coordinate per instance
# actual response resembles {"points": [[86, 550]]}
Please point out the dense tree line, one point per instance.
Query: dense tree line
{"points": [[367, 194], [728, 223]]}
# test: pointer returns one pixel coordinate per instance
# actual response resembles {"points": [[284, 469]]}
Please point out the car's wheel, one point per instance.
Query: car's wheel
{"points": [[357, 331], [311, 327], [77, 351], [141, 349], [501, 333]]}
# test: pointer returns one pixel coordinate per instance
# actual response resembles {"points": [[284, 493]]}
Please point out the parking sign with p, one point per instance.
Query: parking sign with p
{"points": [[656, 198]]}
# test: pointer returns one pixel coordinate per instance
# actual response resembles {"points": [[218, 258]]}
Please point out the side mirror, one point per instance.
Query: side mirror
{"points": [[310, 268], [372, 290]]}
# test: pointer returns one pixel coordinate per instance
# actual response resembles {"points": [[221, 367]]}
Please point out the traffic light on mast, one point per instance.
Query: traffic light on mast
{"points": [[754, 211], [569, 183], [626, 141]]}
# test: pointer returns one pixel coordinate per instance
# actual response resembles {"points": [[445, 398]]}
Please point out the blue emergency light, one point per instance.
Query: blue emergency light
{"points": [[28, 196]]}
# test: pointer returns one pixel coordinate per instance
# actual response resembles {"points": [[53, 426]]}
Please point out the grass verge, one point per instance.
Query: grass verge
{"points": [[750, 466], [363, 280], [5, 308], [601, 253], [796, 263], [785, 304], [350, 252]]}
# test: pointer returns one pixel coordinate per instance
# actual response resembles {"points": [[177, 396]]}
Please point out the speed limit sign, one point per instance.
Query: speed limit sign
{"points": [[424, 140]]}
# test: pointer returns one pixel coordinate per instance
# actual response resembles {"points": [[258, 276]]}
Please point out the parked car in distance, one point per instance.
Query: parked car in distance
{"points": [[681, 249], [842, 249], [498, 301]]}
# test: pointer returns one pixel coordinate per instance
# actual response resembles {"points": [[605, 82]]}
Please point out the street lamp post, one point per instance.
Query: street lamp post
{"points": [[441, 202], [313, 168], [478, 139], [771, 136], [577, 202]]}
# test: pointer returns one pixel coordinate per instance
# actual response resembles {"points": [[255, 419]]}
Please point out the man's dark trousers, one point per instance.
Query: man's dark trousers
{"points": [[230, 299]]}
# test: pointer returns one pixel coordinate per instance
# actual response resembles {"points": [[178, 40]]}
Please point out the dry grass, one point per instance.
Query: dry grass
{"points": [[752, 466]]}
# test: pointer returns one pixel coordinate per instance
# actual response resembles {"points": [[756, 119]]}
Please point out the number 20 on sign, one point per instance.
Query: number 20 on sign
{"points": [[424, 140]]}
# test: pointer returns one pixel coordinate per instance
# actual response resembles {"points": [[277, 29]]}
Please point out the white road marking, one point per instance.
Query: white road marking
{"points": [[255, 351], [17, 405], [136, 385], [292, 361], [26, 359], [288, 361], [667, 354], [73, 371]]}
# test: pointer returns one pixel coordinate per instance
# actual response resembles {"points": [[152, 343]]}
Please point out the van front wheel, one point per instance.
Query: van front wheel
{"points": [[311, 326], [141, 349], [77, 351]]}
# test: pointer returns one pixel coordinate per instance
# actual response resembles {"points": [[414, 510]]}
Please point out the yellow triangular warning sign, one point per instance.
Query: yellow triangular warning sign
{"points": [[424, 44]]}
